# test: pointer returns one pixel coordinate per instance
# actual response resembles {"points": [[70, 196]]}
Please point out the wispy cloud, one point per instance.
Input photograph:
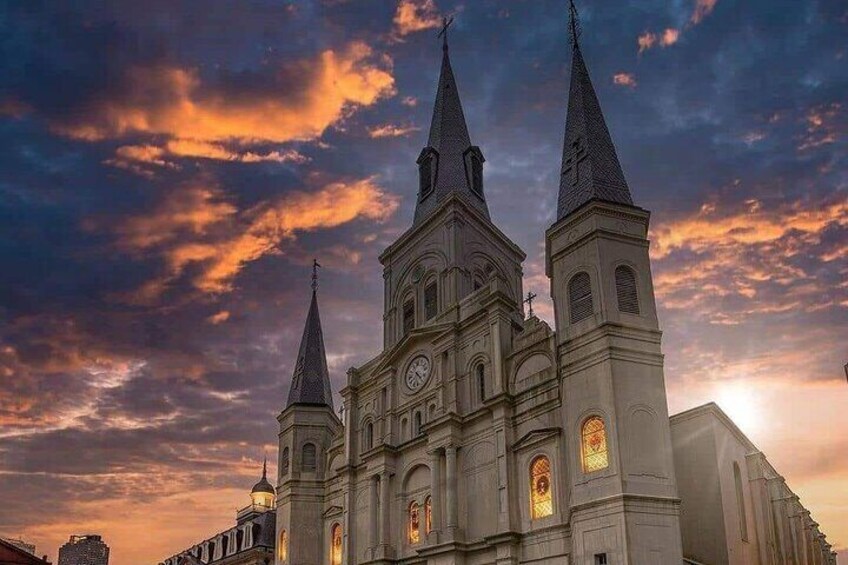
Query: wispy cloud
{"points": [[391, 130], [416, 15], [624, 79]]}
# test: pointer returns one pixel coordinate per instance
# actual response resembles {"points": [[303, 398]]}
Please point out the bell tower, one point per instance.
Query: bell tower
{"points": [[624, 503], [308, 425]]}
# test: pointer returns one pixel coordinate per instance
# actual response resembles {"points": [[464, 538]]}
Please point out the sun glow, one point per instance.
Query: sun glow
{"points": [[739, 401]]}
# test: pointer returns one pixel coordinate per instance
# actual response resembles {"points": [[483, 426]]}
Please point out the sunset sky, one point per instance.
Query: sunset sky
{"points": [[170, 168]]}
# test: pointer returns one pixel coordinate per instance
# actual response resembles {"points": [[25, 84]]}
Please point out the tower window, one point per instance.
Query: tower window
{"points": [[425, 175], [418, 425], [368, 436], [414, 523], [600, 559], [541, 493], [284, 462], [431, 300], [740, 502], [408, 316], [336, 545], [309, 457], [477, 174], [580, 297], [625, 289], [480, 373], [594, 445], [284, 546]]}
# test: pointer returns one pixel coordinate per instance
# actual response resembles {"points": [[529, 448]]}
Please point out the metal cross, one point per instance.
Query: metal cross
{"points": [[529, 302], [315, 266], [572, 164], [446, 22]]}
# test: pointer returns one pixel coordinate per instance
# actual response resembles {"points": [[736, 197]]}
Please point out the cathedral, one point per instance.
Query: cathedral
{"points": [[482, 435]]}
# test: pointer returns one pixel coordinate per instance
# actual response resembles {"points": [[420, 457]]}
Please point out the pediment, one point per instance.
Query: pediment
{"points": [[535, 437], [333, 511], [411, 342]]}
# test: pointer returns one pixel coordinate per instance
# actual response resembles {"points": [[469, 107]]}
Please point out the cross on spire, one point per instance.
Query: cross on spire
{"points": [[315, 266], [573, 24], [446, 22], [529, 301]]}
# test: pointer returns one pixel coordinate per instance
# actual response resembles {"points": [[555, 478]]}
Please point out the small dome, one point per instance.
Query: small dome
{"points": [[263, 485]]}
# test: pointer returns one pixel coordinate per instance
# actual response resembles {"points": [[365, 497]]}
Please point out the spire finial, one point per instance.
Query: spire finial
{"points": [[265, 468], [315, 266], [529, 301], [574, 24], [446, 22]]}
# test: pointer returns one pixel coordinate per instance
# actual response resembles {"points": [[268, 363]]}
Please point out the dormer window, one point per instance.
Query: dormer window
{"points": [[426, 172], [474, 170]]}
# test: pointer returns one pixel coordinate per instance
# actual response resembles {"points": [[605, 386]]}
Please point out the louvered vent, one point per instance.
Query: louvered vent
{"points": [[625, 288], [580, 297]]}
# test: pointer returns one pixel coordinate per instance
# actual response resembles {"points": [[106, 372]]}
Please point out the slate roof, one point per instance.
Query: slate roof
{"points": [[590, 166], [449, 138], [311, 379]]}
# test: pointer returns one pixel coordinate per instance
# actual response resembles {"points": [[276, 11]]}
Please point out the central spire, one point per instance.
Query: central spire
{"points": [[311, 379], [449, 164], [590, 166]]}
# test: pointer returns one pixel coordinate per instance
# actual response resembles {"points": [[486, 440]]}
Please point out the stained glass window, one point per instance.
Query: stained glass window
{"points": [[336, 548], [541, 492], [595, 454], [414, 534], [284, 546], [428, 514]]}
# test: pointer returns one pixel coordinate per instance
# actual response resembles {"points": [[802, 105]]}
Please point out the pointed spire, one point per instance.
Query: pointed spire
{"points": [[265, 468], [449, 164], [311, 380], [590, 166]]}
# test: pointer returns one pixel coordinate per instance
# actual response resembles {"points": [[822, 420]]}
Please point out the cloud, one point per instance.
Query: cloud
{"points": [[219, 317], [410, 101], [416, 15], [703, 8], [303, 99], [824, 124], [646, 41], [669, 37], [195, 228], [391, 130], [649, 39], [624, 79]]}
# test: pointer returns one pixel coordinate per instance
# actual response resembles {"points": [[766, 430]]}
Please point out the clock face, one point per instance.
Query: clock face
{"points": [[418, 373]]}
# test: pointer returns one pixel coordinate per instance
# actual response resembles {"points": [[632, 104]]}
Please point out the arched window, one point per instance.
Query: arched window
{"points": [[428, 514], [477, 174], [425, 174], [418, 424], [541, 492], [740, 502], [580, 297], [336, 545], [480, 372], [413, 533], [368, 436], [594, 445], [404, 429], [408, 315], [284, 462], [284, 546], [309, 458], [431, 300], [625, 289]]}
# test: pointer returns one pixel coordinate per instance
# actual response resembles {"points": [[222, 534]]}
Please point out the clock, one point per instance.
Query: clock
{"points": [[418, 373]]}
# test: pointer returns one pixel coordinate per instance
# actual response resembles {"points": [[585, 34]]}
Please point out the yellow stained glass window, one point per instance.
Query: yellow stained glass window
{"points": [[541, 491], [336, 548], [414, 534], [428, 514], [595, 454], [284, 546]]}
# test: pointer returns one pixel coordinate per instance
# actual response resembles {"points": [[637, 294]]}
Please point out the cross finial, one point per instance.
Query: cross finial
{"points": [[265, 467], [315, 266], [529, 301], [446, 22], [574, 24]]}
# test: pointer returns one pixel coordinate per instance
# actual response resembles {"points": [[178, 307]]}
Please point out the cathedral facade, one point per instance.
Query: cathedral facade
{"points": [[481, 435]]}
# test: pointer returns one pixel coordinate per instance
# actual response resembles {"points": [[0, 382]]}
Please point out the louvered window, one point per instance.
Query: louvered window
{"points": [[425, 172], [431, 301], [580, 297], [309, 457], [625, 288], [284, 462]]}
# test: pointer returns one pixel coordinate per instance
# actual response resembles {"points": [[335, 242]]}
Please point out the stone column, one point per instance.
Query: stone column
{"points": [[375, 516], [385, 504], [436, 491], [450, 460]]}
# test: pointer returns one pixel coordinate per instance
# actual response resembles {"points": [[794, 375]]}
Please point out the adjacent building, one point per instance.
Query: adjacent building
{"points": [[249, 542], [18, 552], [84, 550]]}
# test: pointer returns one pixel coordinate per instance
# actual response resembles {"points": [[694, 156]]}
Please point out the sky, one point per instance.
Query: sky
{"points": [[170, 168]]}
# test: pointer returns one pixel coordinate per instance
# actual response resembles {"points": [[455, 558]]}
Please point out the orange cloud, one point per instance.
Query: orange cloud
{"points": [[669, 37], [822, 126], [175, 102], [391, 130], [218, 318], [649, 39], [646, 41], [416, 15], [624, 79], [217, 242], [206, 150], [703, 8]]}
